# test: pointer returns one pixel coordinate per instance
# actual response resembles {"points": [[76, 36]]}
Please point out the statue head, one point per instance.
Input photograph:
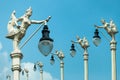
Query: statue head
{"points": [[12, 15], [112, 25], [29, 11], [103, 21]]}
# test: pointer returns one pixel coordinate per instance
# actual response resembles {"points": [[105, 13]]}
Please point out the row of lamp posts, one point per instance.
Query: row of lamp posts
{"points": [[46, 45], [111, 29]]}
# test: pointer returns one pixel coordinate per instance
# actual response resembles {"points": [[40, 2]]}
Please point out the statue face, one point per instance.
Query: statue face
{"points": [[29, 13]]}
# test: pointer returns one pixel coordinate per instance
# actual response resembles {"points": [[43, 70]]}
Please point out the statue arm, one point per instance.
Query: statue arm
{"points": [[20, 19], [99, 26], [40, 22], [37, 22]]}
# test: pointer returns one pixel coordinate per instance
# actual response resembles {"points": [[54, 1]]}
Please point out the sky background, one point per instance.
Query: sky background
{"points": [[69, 19]]}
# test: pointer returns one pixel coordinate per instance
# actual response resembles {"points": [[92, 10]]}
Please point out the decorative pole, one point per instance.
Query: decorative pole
{"points": [[113, 58], [16, 62], [85, 65], [111, 29], [41, 71], [60, 55], [84, 44]]}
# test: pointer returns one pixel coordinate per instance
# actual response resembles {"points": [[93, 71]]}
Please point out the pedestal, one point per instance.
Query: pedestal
{"points": [[16, 62]]}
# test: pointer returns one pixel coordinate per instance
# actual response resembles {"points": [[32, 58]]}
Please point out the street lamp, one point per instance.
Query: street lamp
{"points": [[111, 30], [16, 33], [72, 50], [96, 38], [8, 77], [60, 55], [84, 44], [27, 73], [52, 60], [46, 43], [40, 65]]}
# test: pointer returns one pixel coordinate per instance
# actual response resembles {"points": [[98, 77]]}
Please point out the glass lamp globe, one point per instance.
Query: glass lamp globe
{"points": [[72, 50], [52, 60], [46, 43], [96, 38]]}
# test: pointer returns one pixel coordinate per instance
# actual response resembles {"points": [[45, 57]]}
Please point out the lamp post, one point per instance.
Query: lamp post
{"points": [[17, 32], [27, 73], [8, 77], [111, 30], [60, 55], [84, 44], [40, 65]]}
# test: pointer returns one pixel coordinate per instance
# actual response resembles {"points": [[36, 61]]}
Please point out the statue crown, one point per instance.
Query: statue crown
{"points": [[29, 9]]}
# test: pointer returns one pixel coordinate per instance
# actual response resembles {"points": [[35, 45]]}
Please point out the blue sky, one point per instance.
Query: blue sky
{"points": [[69, 19]]}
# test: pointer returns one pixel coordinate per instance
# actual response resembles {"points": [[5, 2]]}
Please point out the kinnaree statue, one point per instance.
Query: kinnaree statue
{"points": [[17, 31], [109, 27]]}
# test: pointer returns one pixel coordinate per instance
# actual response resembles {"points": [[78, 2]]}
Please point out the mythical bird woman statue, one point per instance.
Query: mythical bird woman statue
{"points": [[17, 32]]}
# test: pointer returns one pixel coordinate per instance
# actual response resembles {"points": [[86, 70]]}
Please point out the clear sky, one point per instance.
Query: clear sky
{"points": [[69, 19]]}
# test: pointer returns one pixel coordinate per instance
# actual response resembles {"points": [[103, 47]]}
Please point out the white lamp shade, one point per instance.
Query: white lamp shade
{"points": [[96, 41], [45, 47], [72, 53], [52, 62]]}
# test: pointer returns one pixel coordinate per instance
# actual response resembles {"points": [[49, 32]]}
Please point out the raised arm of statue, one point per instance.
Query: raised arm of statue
{"points": [[105, 25], [41, 21], [37, 22]]}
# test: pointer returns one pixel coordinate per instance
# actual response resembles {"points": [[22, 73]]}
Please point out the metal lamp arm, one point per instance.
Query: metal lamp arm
{"points": [[31, 36]]}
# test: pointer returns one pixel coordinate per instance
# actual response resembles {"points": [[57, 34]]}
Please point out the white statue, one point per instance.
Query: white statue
{"points": [[105, 25], [83, 42], [109, 27], [17, 32]]}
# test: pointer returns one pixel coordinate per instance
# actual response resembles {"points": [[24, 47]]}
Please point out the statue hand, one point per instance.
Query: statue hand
{"points": [[49, 17], [95, 26]]}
